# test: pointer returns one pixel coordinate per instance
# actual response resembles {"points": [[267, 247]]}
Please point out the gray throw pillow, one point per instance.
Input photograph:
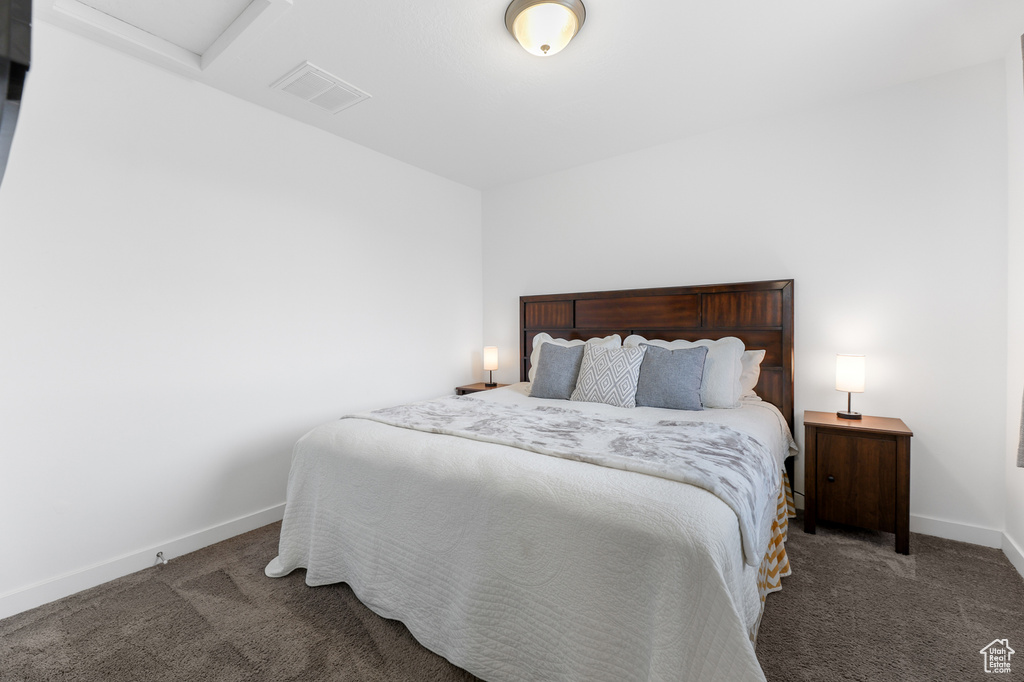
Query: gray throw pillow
{"points": [[557, 369], [608, 375], [671, 378]]}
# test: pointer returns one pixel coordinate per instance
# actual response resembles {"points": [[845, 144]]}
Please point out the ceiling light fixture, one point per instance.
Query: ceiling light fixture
{"points": [[544, 27]]}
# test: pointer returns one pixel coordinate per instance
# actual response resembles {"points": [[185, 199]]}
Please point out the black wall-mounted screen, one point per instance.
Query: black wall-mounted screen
{"points": [[15, 52]]}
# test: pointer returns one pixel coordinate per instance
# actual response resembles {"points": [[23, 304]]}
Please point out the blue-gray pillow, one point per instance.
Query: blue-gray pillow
{"points": [[671, 378], [557, 369]]}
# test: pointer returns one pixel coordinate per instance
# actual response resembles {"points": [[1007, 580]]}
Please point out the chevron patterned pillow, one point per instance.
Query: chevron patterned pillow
{"points": [[609, 375]]}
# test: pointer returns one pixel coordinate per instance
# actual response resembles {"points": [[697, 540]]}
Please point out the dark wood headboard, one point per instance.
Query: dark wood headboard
{"points": [[758, 313]]}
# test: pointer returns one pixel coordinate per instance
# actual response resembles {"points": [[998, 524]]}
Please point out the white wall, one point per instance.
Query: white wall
{"points": [[1014, 542], [187, 284], [889, 211]]}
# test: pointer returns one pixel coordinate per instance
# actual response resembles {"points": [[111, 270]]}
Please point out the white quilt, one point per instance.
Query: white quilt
{"points": [[519, 566]]}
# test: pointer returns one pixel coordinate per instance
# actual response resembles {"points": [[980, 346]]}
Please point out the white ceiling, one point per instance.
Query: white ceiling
{"points": [[191, 24], [453, 93]]}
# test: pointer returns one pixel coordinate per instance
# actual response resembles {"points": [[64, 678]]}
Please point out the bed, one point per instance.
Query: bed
{"points": [[518, 565]]}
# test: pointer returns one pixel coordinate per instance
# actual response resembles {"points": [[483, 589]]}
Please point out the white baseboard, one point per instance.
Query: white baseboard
{"points": [[1014, 553], [951, 530], [986, 537], [46, 591], [975, 535]]}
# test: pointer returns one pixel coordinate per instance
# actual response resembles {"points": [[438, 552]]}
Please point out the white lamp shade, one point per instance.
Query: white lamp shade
{"points": [[546, 28], [850, 373], [490, 358]]}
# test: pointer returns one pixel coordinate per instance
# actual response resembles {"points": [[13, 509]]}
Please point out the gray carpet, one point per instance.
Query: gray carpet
{"points": [[853, 610]]}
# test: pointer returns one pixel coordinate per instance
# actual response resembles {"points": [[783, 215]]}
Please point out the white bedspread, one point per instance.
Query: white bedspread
{"points": [[518, 566]]}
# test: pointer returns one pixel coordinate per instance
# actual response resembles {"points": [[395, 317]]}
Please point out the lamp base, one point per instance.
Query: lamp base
{"points": [[490, 385], [848, 415]]}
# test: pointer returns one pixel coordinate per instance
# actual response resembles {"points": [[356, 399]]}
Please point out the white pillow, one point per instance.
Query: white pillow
{"points": [[751, 372], [613, 341], [723, 366]]}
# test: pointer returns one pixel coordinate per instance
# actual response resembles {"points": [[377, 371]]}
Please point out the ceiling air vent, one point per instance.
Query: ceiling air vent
{"points": [[318, 87]]}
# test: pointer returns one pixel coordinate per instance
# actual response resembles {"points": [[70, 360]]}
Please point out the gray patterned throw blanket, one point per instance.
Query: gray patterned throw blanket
{"points": [[733, 466]]}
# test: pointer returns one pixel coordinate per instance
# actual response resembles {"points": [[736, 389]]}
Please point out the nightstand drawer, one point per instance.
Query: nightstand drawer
{"points": [[856, 480]]}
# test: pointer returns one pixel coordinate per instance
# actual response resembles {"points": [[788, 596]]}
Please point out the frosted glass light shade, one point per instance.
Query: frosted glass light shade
{"points": [[850, 373], [544, 27], [490, 358]]}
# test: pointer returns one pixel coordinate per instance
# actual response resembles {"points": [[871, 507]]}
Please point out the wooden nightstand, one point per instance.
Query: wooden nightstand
{"points": [[474, 388], [857, 472]]}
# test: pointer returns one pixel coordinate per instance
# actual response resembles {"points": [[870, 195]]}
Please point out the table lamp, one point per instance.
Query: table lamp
{"points": [[490, 364], [849, 378]]}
